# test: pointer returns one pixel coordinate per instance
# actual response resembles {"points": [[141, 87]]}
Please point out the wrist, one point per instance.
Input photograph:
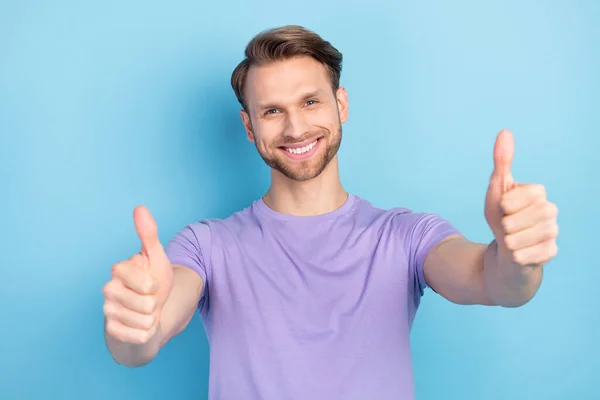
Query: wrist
{"points": [[133, 354], [508, 284]]}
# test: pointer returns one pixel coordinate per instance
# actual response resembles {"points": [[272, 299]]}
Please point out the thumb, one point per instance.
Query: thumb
{"points": [[504, 150], [148, 233]]}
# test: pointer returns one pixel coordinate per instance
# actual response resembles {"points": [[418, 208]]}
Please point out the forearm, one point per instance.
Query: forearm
{"points": [[181, 304], [507, 283]]}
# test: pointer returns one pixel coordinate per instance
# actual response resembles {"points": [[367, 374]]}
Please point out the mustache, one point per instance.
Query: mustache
{"points": [[288, 141]]}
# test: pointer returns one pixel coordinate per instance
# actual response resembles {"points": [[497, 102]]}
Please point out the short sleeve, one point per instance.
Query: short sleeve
{"points": [[426, 231], [190, 248]]}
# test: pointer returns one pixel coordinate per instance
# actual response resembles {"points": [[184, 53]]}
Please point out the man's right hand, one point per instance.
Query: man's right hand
{"points": [[139, 287]]}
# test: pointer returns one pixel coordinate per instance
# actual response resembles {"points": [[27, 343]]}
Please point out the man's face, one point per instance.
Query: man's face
{"points": [[294, 118]]}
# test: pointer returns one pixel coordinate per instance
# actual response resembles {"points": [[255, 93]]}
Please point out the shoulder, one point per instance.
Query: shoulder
{"points": [[402, 222], [195, 242], [207, 230], [396, 216]]}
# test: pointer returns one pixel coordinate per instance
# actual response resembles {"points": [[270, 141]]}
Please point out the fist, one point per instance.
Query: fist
{"points": [[529, 227], [139, 287], [522, 219]]}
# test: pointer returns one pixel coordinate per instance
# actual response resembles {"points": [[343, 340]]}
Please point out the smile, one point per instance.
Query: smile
{"points": [[301, 150]]}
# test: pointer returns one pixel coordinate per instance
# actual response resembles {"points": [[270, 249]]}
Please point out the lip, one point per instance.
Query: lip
{"points": [[303, 156], [300, 145]]}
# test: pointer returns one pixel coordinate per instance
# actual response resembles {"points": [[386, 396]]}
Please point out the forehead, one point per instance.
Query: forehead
{"points": [[283, 81]]}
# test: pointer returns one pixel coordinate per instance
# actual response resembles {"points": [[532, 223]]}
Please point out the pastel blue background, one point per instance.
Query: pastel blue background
{"points": [[107, 105]]}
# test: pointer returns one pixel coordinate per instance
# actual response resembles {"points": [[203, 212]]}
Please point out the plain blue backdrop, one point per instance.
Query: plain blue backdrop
{"points": [[107, 105]]}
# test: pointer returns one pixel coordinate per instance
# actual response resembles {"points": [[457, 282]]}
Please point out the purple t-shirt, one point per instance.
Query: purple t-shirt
{"points": [[316, 307]]}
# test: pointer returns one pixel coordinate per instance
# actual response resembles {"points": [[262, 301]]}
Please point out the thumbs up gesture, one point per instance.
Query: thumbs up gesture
{"points": [[521, 218], [138, 287]]}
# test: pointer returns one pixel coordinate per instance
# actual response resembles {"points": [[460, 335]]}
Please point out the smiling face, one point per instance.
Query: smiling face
{"points": [[294, 117]]}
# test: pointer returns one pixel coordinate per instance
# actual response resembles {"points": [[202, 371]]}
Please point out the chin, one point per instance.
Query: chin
{"points": [[301, 176], [300, 172], [308, 170]]}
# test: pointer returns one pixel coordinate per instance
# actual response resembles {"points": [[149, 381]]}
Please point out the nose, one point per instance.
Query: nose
{"points": [[297, 125]]}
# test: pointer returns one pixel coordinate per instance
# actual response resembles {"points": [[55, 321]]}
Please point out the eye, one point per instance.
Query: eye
{"points": [[311, 102], [271, 111]]}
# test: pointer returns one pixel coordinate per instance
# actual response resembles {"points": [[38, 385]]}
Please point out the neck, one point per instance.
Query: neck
{"points": [[317, 196]]}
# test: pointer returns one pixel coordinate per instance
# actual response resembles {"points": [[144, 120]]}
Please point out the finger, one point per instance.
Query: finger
{"points": [[147, 232], [117, 291], [538, 254], [126, 334], [531, 215], [504, 149], [139, 259], [521, 197], [132, 319], [135, 277], [536, 234]]}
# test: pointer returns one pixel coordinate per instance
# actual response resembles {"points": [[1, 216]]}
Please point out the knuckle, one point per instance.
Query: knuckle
{"points": [[149, 321], [553, 250], [504, 204], [108, 309], [109, 289], [510, 242], [106, 290], [148, 285], [116, 269], [149, 305], [143, 337], [506, 223], [519, 257], [112, 328], [554, 230], [140, 279], [550, 210], [539, 190]]}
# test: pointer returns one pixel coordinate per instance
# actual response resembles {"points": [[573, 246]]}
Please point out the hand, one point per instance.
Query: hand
{"points": [[139, 287], [522, 219]]}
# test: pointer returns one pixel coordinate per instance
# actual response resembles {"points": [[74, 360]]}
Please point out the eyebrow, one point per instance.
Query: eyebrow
{"points": [[306, 96]]}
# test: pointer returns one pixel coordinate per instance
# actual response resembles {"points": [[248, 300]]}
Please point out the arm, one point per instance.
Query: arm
{"points": [[150, 297], [182, 302], [466, 272], [508, 271]]}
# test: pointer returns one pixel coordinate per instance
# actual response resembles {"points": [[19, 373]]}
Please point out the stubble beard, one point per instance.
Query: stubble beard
{"points": [[309, 169]]}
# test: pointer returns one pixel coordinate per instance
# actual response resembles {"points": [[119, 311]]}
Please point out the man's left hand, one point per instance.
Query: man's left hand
{"points": [[520, 216]]}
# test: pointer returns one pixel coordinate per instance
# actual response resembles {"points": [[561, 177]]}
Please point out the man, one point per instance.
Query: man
{"points": [[310, 292]]}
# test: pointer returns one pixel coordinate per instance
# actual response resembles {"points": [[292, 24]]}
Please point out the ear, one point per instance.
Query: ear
{"points": [[342, 101], [247, 125]]}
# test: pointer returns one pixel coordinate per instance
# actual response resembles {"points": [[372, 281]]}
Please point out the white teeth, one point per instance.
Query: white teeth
{"points": [[302, 149]]}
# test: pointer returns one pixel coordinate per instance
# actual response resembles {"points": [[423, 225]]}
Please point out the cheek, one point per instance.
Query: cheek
{"points": [[329, 120], [266, 137], [323, 117]]}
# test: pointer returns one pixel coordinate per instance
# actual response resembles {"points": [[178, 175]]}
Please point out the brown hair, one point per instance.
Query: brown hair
{"points": [[283, 43]]}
